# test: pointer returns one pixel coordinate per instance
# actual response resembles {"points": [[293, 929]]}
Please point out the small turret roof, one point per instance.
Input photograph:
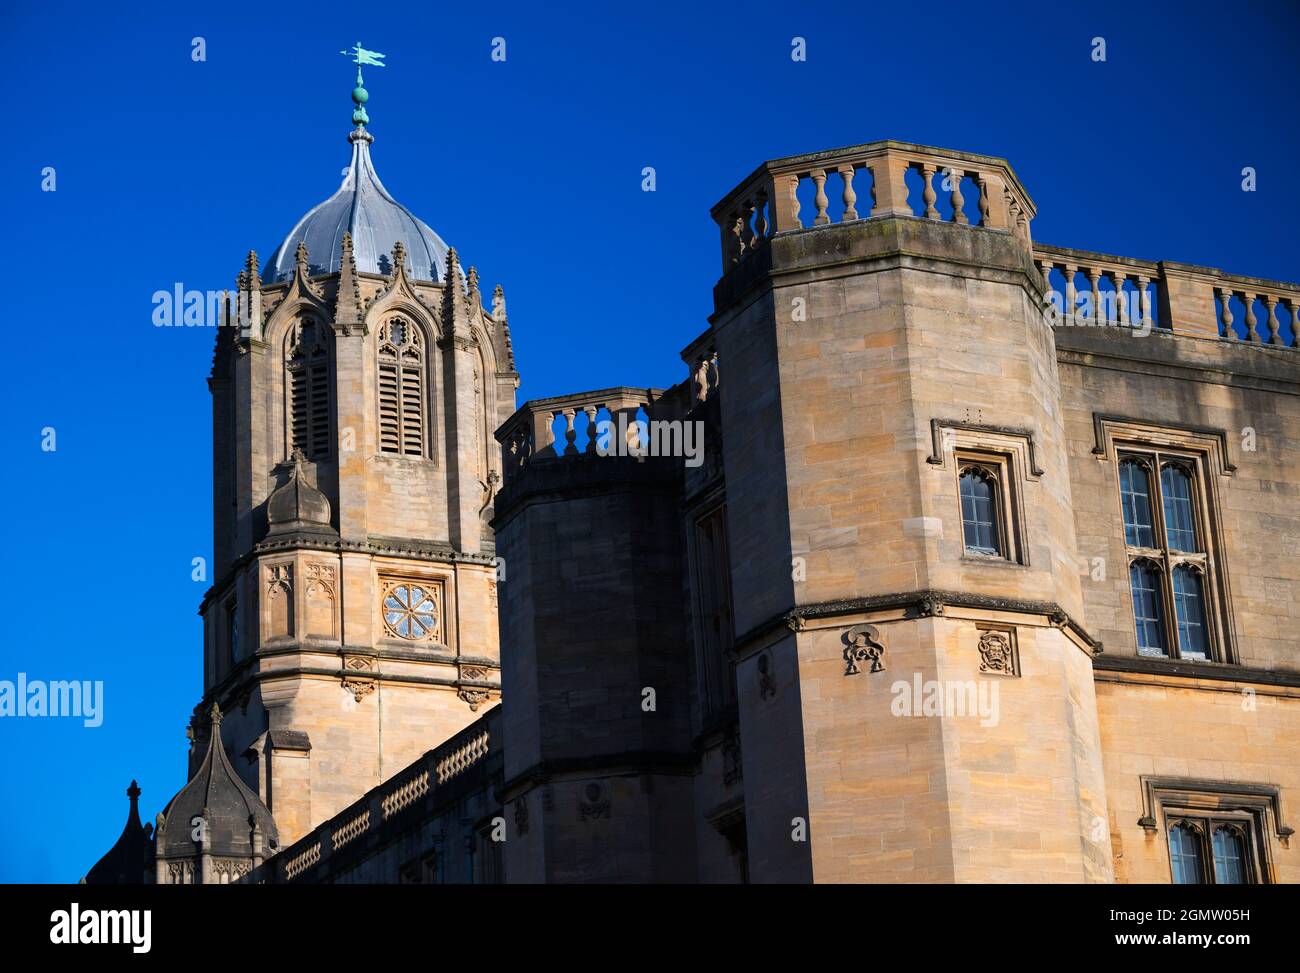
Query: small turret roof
{"points": [[231, 808]]}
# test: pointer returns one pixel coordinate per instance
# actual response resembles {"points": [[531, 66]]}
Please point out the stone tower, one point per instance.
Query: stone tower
{"points": [[882, 374], [355, 386]]}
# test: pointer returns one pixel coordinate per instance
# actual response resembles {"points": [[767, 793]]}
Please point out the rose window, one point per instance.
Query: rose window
{"points": [[411, 612]]}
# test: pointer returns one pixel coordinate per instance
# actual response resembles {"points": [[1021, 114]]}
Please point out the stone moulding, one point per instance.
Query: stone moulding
{"points": [[1200, 794], [1213, 443], [938, 454], [911, 605]]}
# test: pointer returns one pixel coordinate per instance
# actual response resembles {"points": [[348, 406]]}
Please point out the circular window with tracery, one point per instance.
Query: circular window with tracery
{"points": [[411, 611]]}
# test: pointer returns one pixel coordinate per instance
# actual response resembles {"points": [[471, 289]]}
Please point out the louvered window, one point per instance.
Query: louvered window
{"points": [[401, 389], [307, 365]]}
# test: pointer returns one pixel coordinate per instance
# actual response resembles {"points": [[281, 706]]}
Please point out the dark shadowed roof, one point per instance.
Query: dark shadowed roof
{"points": [[230, 807], [125, 862]]}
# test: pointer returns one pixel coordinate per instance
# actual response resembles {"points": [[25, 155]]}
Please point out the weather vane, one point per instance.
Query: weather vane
{"points": [[360, 96]]}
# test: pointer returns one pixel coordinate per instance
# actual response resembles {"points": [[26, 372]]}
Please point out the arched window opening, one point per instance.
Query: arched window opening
{"points": [[1180, 525], [1189, 606], [308, 405], [979, 511], [1135, 493], [1185, 857], [401, 389], [1148, 608]]}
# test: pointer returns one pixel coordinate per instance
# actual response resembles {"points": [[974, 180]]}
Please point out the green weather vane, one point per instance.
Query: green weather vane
{"points": [[360, 96]]}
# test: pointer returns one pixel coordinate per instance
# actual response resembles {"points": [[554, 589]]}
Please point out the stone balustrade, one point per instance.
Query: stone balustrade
{"points": [[544, 429], [1098, 289], [423, 783], [768, 202], [701, 358], [1257, 317], [1182, 299]]}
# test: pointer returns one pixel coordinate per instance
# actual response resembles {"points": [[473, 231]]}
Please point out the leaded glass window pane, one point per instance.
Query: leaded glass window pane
{"points": [[979, 512], [1189, 603], [1176, 487], [1185, 854], [1147, 611], [1229, 856], [1135, 494]]}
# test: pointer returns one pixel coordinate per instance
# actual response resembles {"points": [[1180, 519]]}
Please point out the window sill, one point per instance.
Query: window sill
{"points": [[991, 560]]}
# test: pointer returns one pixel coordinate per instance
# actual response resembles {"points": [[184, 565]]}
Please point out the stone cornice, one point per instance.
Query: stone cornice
{"points": [[908, 606], [1186, 671], [426, 550]]}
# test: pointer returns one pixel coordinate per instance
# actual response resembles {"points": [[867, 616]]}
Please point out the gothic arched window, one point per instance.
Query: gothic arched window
{"points": [[306, 360], [401, 388], [979, 511], [1180, 525], [1185, 857], [1148, 607], [1220, 851], [1171, 569], [1135, 494], [1189, 605]]}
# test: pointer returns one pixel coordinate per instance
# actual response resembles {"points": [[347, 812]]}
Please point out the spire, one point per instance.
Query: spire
{"points": [[252, 278], [475, 298], [455, 310], [300, 260], [124, 864], [347, 306], [499, 303], [399, 259], [250, 299]]}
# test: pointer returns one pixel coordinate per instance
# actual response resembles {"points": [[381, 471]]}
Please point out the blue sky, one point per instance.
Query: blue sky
{"points": [[169, 170]]}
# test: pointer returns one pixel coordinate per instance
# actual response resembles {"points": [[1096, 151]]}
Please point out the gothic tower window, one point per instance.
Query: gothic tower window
{"points": [[1205, 850], [401, 388], [981, 531], [1160, 497], [308, 389]]}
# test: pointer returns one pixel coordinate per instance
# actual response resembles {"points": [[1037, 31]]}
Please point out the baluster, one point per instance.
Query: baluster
{"points": [[1248, 299], [819, 180], [1094, 277], [570, 433], [746, 231], [1013, 212], [737, 238], [1273, 324], [956, 199], [927, 191], [761, 224], [1226, 312], [1121, 305], [1045, 268], [984, 200], [1144, 302], [591, 411], [1294, 306], [850, 197], [794, 203], [1071, 295], [550, 432]]}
